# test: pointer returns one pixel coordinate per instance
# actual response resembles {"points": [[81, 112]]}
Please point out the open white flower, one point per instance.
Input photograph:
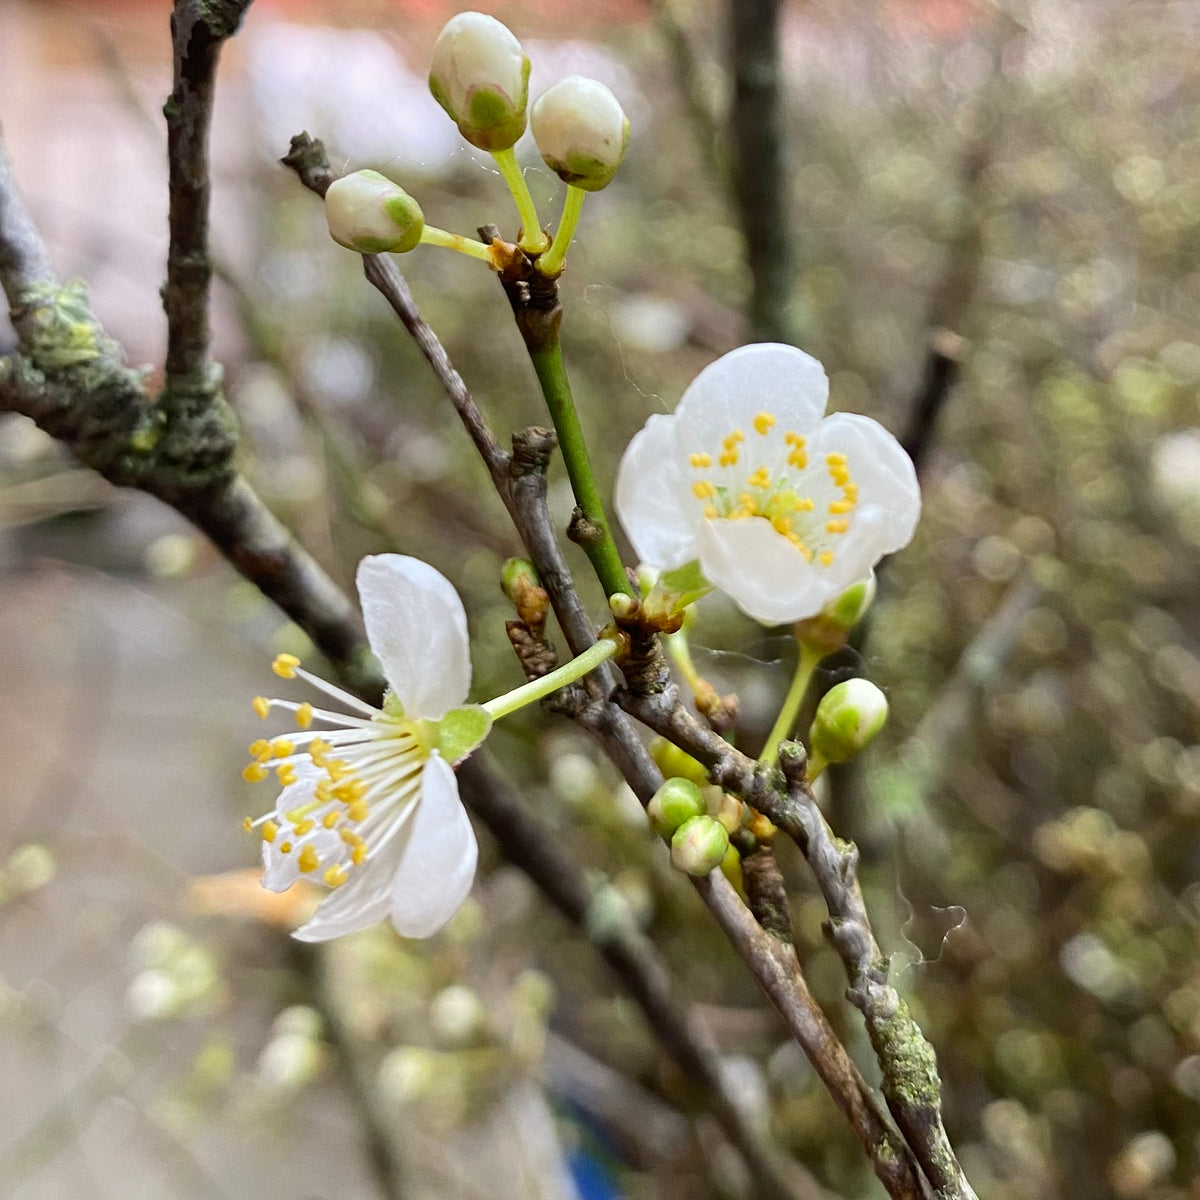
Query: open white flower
{"points": [[370, 805], [781, 509]]}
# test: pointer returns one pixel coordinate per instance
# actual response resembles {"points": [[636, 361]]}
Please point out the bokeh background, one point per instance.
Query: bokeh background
{"points": [[991, 229]]}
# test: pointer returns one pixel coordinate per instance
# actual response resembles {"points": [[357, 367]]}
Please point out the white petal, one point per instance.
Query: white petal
{"points": [[280, 870], [762, 572], [359, 903], [887, 484], [418, 630], [764, 377], [438, 863], [659, 514]]}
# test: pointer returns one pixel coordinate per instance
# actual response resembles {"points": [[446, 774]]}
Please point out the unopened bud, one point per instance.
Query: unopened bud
{"points": [[830, 629], [677, 801], [672, 761], [581, 131], [517, 576], [848, 718], [699, 845], [480, 76], [367, 212]]}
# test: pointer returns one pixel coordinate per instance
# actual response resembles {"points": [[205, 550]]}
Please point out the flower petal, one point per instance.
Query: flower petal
{"points": [[657, 512], [889, 497], [762, 572], [281, 870], [361, 902], [437, 866], [765, 377], [418, 630]]}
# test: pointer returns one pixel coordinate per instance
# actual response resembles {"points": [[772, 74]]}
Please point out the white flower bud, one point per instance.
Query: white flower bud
{"points": [[848, 718], [581, 131], [480, 76], [367, 212], [677, 801], [699, 845]]}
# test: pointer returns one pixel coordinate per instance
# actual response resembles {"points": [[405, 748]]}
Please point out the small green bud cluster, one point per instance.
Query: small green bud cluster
{"points": [[677, 801], [679, 812]]}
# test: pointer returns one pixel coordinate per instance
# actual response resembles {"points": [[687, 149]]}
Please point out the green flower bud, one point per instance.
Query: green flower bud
{"points": [[848, 718], [581, 131], [480, 76], [517, 576], [677, 801], [830, 629], [367, 212], [699, 845], [672, 761]]}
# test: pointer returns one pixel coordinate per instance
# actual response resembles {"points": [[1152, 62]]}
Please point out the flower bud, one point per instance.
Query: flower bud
{"points": [[699, 845], [367, 212], [517, 576], [581, 132], [848, 718], [678, 800], [830, 629], [672, 761], [480, 76]]}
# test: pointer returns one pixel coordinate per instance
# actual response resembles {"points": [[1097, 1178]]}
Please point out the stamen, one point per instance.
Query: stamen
{"points": [[798, 459], [247, 824], [285, 666], [825, 558], [732, 440], [308, 860], [270, 831], [335, 876], [261, 706], [703, 490], [763, 423], [700, 460], [836, 526], [285, 847], [255, 773], [760, 479], [304, 715], [710, 511], [331, 818], [729, 458], [286, 774], [282, 748]]}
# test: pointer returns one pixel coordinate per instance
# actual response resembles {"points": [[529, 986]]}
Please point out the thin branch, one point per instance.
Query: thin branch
{"points": [[199, 28], [24, 261]]}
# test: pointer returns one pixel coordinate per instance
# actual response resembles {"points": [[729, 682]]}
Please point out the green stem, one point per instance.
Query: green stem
{"points": [[598, 544], [532, 240], [551, 263], [806, 664], [432, 236], [536, 689]]}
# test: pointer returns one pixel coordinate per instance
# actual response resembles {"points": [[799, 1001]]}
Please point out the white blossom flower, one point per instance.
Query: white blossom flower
{"points": [[781, 510], [370, 805]]}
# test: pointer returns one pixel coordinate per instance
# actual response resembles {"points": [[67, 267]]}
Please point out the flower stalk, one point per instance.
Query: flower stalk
{"points": [[598, 542], [432, 236], [545, 685], [806, 664], [532, 240], [550, 264]]}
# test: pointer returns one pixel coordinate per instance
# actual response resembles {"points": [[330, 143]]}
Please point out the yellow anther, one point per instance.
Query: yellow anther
{"points": [[702, 489], [792, 438], [808, 554], [841, 506], [351, 838], [732, 440], [835, 460], [782, 525], [798, 459], [729, 458], [269, 831], [840, 476], [358, 812], [285, 847], [710, 511], [261, 706], [255, 773], [338, 768], [760, 479], [304, 715], [286, 773], [805, 504], [350, 790], [260, 749], [358, 855], [303, 827], [247, 824], [324, 790], [285, 666], [308, 860], [331, 818], [836, 526], [763, 423], [825, 558], [282, 748], [850, 491], [335, 876], [317, 750], [700, 460]]}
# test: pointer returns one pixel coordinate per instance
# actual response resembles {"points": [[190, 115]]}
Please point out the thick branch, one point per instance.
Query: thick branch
{"points": [[199, 28]]}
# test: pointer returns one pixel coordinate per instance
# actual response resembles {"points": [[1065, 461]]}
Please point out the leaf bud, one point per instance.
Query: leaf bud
{"points": [[677, 801], [480, 76], [581, 131], [849, 716], [830, 629], [699, 845], [367, 212]]}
